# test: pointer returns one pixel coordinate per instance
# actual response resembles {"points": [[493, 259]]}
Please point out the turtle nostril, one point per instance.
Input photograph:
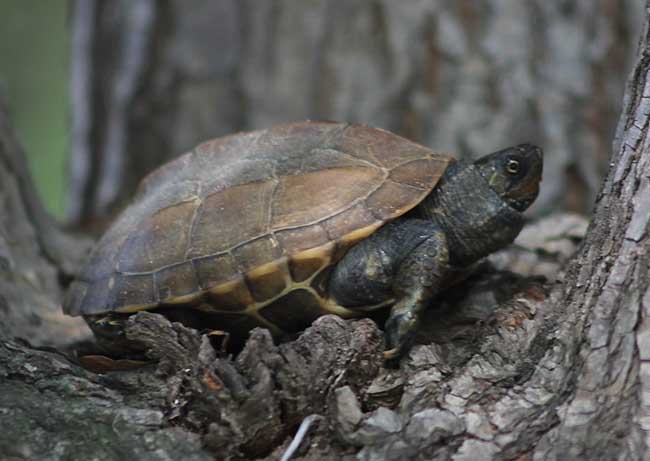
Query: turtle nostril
{"points": [[524, 148], [530, 149]]}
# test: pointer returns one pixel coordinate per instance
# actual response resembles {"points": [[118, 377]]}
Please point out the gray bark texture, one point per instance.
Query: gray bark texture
{"points": [[153, 79], [33, 252], [527, 361]]}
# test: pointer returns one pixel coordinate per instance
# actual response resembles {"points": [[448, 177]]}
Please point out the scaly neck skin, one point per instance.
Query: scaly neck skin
{"points": [[474, 218]]}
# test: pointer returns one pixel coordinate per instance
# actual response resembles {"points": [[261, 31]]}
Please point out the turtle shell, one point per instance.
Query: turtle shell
{"points": [[250, 220]]}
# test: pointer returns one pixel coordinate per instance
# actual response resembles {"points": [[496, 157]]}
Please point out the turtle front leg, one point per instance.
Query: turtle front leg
{"points": [[405, 261], [417, 281]]}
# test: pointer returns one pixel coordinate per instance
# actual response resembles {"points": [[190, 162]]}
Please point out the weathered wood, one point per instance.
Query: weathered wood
{"points": [[33, 253], [606, 298]]}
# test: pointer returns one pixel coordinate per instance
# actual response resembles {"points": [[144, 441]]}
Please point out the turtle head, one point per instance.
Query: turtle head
{"points": [[514, 173]]}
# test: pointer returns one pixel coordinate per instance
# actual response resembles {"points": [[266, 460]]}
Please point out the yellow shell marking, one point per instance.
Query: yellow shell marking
{"points": [[133, 308], [185, 299], [224, 288], [359, 234]]}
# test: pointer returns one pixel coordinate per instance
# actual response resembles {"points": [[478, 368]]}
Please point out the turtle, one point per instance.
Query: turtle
{"points": [[277, 227]]}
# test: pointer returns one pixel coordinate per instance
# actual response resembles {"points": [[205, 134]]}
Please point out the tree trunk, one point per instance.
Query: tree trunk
{"points": [[153, 79], [512, 369], [33, 253]]}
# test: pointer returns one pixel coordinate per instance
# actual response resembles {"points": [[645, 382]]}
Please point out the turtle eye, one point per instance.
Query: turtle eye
{"points": [[512, 166]]}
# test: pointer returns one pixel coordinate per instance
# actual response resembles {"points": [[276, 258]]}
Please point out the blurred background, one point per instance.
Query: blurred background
{"points": [[102, 92], [34, 73]]}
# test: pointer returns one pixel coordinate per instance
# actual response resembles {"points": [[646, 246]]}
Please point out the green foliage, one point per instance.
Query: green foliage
{"points": [[34, 43]]}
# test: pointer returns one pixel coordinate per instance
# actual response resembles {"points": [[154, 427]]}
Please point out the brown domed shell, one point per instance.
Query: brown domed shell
{"points": [[241, 218]]}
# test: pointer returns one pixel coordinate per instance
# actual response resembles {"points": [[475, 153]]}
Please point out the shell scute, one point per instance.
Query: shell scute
{"points": [[130, 293], [231, 296], [316, 195], [161, 239], [269, 280], [177, 284], [245, 204], [210, 270]]}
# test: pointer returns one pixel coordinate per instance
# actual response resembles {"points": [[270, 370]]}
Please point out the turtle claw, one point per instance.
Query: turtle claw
{"points": [[392, 354], [392, 357]]}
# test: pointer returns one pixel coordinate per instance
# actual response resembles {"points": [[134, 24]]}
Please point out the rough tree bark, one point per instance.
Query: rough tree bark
{"points": [[513, 369], [152, 79], [33, 252]]}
